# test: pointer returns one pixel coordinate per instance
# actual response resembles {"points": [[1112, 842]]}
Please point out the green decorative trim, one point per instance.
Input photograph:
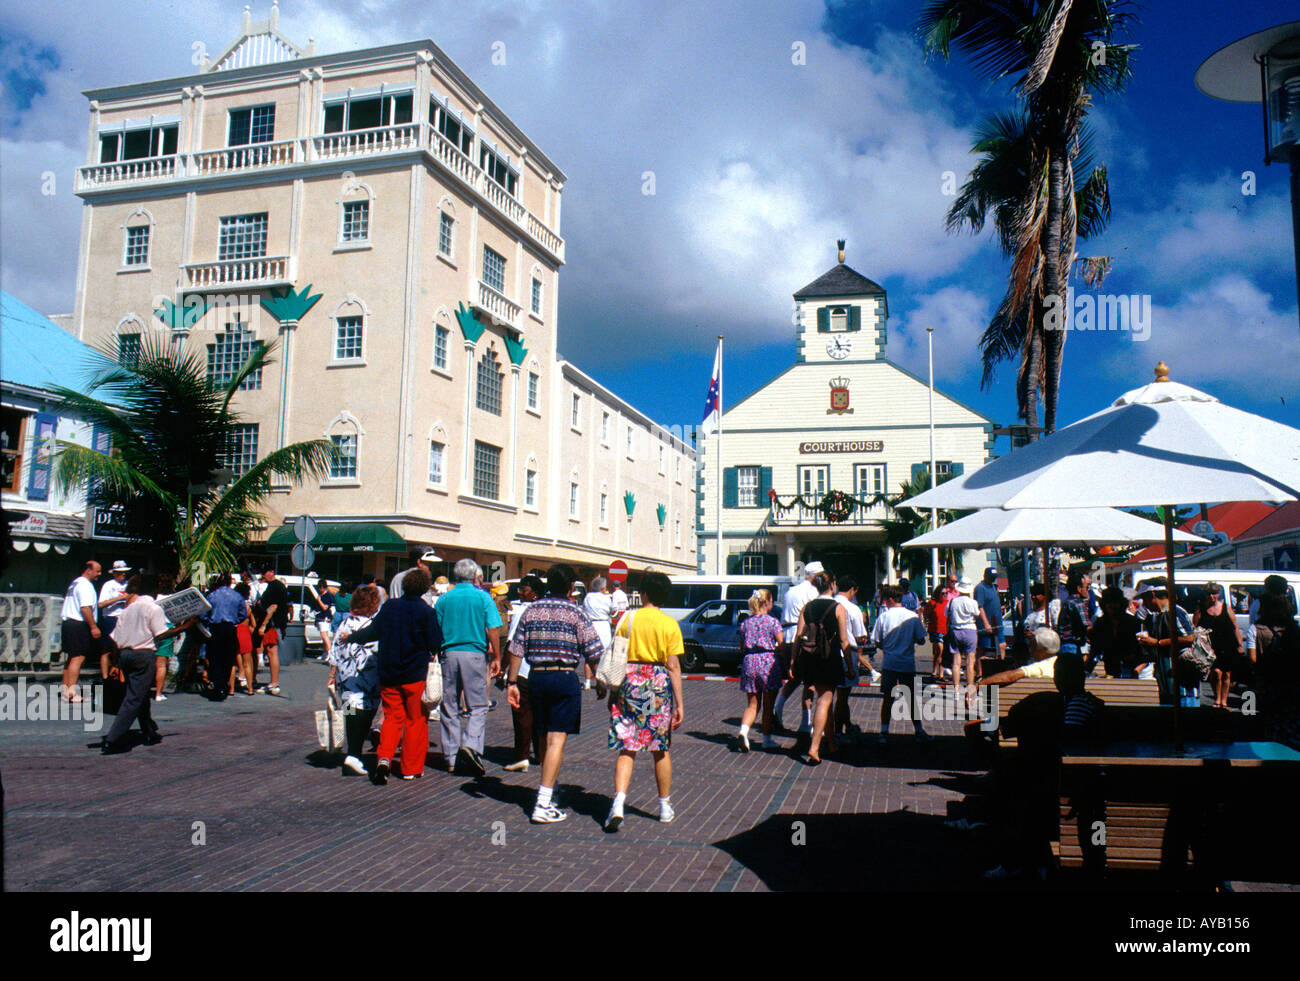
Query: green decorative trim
{"points": [[184, 316], [662, 512], [515, 348], [629, 502], [469, 325], [287, 306]]}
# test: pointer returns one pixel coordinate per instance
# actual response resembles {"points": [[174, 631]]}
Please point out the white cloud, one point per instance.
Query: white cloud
{"points": [[958, 317]]}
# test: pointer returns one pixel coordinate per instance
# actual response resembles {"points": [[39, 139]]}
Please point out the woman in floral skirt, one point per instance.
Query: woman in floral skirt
{"points": [[761, 643], [648, 706]]}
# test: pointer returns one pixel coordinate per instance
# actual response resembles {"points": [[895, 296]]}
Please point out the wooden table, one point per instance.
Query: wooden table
{"points": [[1144, 805]]}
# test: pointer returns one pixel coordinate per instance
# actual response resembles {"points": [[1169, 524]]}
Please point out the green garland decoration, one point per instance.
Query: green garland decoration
{"points": [[836, 506]]}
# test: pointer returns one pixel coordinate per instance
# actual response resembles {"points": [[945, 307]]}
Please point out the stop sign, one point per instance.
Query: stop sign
{"points": [[618, 572]]}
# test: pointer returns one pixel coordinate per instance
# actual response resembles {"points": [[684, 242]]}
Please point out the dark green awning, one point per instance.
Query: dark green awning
{"points": [[341, 536]]}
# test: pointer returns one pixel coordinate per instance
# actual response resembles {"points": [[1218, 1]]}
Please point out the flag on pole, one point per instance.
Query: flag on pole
{"points": [[713, 401]]}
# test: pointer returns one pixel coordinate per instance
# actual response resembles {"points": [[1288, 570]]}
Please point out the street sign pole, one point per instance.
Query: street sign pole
{"points": [[294, 644]]}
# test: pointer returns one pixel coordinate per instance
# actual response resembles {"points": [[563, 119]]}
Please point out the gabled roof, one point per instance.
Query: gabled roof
{"points": [[36, 353], [840, 280], [1279, 520], [259, 43], [1233, 518]]}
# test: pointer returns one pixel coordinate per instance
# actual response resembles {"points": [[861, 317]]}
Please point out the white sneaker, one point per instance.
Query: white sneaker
{"points": [[875, 677], [354, 765], [519, 766], [160, 697], [666, 814], [615, 818], [550, 814], [435, 715]]}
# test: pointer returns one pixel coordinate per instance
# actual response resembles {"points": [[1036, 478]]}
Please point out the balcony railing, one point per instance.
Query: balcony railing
{"points": [[500, 306], [275, 270], [799, 516], [350, 145]]}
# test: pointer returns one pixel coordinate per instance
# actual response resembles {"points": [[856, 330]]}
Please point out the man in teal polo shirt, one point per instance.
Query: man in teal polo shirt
{"points": [[471, 655]]}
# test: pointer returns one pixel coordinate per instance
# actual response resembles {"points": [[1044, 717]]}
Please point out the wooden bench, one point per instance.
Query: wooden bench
{"points": [[1112, 691]]}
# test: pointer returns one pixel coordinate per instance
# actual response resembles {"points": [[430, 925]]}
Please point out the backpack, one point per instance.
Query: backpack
{"points": [[1200, 656], [816, 641]]}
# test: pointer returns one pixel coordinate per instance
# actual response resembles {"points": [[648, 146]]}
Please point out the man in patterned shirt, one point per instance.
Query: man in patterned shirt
{"points": [[555, 637], [1075, 618]]}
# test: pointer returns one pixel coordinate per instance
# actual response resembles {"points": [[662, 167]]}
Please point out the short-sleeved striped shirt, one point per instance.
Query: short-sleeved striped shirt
{"points": [[553, 631]]}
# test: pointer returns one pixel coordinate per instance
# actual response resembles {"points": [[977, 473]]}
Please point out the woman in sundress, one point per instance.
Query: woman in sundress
{"points": [[762, 642], [647, 707]]}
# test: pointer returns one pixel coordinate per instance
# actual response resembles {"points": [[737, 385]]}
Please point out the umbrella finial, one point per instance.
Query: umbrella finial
{"points": [[1162, 372]]}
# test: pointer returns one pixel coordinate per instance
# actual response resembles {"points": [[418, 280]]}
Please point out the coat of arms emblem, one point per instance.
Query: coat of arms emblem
{"points": [[839, 397]]}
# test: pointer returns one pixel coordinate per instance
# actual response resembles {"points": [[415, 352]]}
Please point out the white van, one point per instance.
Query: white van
{"points": [[690, 591], [1242, 585]]}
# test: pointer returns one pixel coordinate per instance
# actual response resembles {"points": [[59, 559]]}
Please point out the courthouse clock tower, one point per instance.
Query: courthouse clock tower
{"points": [[840, 317]]}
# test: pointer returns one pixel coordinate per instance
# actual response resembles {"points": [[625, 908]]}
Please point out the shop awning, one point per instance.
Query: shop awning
{"points": [[342, 536]]}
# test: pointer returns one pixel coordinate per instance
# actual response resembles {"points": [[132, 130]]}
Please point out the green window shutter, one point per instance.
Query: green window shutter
{"points": [[733, 565], [920, 471], [770, 562], [38, 477], [824, 320], [764, 486], [956, 469], [730, 488], [855, 318]]}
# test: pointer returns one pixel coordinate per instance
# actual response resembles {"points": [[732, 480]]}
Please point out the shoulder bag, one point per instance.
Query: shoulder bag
{"points": [[612, 668], [329, 723]]}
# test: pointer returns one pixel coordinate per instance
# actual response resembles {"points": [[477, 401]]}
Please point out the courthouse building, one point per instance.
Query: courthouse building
{"points": [[385, 182], [842, 417]]}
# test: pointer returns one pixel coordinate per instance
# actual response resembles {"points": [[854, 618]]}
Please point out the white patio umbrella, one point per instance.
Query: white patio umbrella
{"points": [[1032, 527], [1163, 443]]}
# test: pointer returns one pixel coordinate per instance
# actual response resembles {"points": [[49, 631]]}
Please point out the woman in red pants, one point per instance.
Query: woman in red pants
{"points": [[409, 638]]}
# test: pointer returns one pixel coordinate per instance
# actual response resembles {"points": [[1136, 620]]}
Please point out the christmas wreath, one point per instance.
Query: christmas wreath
{"points": [[836, 506]]}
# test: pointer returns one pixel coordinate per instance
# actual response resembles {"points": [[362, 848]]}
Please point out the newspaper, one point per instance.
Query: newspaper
{"points": [[185, 604]]}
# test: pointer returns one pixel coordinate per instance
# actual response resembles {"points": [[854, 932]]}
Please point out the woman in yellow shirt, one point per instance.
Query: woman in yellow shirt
{"points": [[648, 706]]}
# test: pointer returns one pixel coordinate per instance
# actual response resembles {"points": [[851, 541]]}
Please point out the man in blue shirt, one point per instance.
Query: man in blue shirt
{"points": [[986, 595], [229, 609], [896, 633], [471, 638], [907, 599]]}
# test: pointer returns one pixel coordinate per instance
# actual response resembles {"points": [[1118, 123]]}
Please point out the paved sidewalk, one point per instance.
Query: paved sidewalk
{"points": [[237, 797]]}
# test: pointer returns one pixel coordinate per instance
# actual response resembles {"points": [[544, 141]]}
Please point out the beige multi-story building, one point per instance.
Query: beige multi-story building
{"points": [[386, 182], [842, 418]]}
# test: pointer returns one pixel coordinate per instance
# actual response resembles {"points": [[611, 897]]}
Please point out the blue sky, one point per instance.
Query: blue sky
{"points": [[760, 164]]}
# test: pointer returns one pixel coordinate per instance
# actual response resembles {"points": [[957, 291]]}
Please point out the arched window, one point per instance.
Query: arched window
{"points": [[488, 393], [442, 341], [351, 318], [447, 229], [344, 434], [536, 301], [137, 236], [356, 202], [534, 386], [530, 481], [438, 456], [129, 331]]}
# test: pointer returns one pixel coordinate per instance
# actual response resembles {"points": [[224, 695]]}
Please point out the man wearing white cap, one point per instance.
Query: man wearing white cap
{"points": [[795, 599], [112, 601], [420, 559]]}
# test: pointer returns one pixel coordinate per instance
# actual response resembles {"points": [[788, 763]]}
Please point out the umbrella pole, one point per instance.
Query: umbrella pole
{"points": [[1173, 627]]}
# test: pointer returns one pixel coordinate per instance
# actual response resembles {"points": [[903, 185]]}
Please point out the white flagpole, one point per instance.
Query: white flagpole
{"points": [[934, 514], [722, 568]]}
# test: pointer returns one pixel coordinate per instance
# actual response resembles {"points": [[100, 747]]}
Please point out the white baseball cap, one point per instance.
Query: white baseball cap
{"points": [[812, 568]]}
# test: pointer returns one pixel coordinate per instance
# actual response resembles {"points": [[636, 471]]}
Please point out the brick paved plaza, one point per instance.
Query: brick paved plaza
{"points": [[277, 815]]}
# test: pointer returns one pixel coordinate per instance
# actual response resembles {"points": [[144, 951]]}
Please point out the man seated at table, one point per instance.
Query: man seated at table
{"points": [[1027, 783], [1043, 647]]}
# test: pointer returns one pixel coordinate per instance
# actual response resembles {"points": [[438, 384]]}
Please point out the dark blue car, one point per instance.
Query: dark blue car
{"points": [[711, 633]]}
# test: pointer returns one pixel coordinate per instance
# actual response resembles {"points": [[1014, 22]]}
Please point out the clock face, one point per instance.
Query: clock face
{"points": [[838, 348]]}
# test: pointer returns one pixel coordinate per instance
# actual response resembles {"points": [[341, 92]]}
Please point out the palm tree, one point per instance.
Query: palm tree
{"points": [[171, 429], [1061, 52], [904, 524]]}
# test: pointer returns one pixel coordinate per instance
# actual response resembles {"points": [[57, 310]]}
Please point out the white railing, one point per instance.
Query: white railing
{"points": [[498, 304], [237, 158], [804, 516], [261, 271], [330, 146], [128, 171], [367, 142]]}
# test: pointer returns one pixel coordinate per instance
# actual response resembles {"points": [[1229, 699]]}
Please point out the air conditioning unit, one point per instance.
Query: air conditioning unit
{"points": [[30, 631]]}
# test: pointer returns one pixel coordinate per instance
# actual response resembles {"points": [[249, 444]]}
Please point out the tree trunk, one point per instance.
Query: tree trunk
{"points": [[1031, 370], [1056, 283]]}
